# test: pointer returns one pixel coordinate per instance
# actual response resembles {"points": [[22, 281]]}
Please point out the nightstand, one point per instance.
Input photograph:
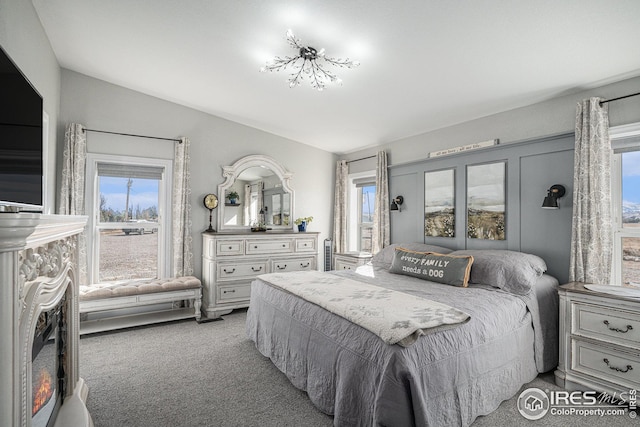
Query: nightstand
{"points": [[599, 341], [350, 260]]}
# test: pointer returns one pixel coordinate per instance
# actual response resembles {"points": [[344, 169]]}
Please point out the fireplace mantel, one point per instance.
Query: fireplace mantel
{"points": [[38, 268]]}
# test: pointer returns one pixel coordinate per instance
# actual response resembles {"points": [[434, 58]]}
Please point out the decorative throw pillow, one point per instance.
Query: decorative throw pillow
{"points": [[512, 271], [384, 258], [432, 266]]}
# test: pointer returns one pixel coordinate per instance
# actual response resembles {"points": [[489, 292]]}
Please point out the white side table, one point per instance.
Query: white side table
{"points": [[350, 260], [599, 341]]}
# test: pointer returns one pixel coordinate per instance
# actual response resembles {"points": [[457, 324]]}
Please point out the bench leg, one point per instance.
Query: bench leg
{"points": [[198, 304]]}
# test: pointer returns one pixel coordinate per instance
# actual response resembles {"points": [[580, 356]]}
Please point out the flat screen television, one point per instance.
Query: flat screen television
{"points": [[21, 150]]}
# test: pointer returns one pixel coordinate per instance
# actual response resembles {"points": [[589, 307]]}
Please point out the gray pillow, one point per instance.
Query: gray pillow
{"points": [[384, 258], [514, 272], [435, 267]]}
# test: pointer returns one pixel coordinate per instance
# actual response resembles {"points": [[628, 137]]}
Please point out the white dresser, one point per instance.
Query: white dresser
{"points": [[230, 262], [599, 341]]}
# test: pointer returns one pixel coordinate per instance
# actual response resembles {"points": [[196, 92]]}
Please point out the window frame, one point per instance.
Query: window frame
{"points": [[617, 134], [355, 224], [92, 208]]}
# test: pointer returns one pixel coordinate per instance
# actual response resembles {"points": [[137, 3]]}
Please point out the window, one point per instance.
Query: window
{"points": [[128, 218], [367, 200], [625, 141], [362, 196]]}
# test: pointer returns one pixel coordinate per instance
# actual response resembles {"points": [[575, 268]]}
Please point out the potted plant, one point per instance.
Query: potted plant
{"points": [[232, 196], [302, 223]]}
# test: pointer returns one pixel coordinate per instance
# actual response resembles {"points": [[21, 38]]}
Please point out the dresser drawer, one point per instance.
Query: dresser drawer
{"points": [[227, 271], [605, 323], [296, 264], [306, 245], [231, 293], [606, 362], [260, 247], [229, 247]]}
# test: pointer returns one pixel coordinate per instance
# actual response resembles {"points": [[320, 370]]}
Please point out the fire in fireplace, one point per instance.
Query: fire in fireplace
{"points": [[42, 391], [47, 376]]}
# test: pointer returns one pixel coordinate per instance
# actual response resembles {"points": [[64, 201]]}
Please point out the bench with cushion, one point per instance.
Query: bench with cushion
{"points": [[107, 306]]}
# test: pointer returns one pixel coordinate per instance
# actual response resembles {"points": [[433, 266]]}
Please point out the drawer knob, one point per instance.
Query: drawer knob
{"points": [[230, 248], [281, 267], [255, 247], [629, 367], [229, 272], [304, 265], [284, 246], [229, 292], [256, 269], [629, 328]]}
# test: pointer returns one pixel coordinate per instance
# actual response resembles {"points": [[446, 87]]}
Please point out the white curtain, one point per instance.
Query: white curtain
{"points": [[591, 239], [74, 159], [340, 209], [182, 238], [381, 228]]}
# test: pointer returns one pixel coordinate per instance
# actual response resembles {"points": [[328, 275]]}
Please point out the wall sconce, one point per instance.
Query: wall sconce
{"points": [[553, 194], [395, 203]]}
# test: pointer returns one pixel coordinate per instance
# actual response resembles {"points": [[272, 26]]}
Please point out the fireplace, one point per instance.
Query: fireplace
{"points": [[48, 380], [40, 385]]}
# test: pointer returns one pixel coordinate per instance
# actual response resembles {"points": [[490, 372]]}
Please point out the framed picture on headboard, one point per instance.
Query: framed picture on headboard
{"points": [[486, 201], [439, 203]]}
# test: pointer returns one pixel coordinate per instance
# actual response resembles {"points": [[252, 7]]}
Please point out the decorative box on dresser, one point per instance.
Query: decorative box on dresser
{"points": [[230, 262], [599, 341], [350, 260]]}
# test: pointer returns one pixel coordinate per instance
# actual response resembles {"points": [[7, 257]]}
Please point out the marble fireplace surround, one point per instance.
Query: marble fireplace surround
{"points": [[38, 267]]}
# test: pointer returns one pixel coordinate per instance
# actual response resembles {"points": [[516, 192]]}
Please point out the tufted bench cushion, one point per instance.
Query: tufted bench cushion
{"points": [[128, 288]]}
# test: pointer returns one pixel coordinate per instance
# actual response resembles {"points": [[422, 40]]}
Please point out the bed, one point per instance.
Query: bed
{"points": [[445, 378]]}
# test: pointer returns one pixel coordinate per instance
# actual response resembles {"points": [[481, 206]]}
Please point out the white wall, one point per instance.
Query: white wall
{"points": [[24, 39], [552, 117], [215, 142]]}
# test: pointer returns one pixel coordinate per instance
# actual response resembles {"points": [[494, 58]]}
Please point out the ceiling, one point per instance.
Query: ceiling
{"points": [[425, 64]]}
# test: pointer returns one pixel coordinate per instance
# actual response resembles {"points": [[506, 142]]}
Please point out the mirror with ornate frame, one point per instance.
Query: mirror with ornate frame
{"points": [[264, 198]]}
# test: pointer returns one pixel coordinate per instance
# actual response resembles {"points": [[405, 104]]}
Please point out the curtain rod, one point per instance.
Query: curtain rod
{"points": [[620, 97], [363, 158], [130, 134]]}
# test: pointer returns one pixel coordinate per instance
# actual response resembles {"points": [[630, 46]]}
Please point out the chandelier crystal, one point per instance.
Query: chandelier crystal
{"points": [[310, 63]]}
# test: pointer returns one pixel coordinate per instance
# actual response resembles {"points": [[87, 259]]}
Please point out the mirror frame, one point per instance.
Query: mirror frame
{"points": [[231, 173]]}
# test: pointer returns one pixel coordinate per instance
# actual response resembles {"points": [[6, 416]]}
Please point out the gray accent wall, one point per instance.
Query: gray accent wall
{"points": [[531, 168], [532, 125]]}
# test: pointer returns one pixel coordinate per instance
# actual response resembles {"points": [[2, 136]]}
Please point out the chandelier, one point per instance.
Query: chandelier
{"points": [[310, 63]]}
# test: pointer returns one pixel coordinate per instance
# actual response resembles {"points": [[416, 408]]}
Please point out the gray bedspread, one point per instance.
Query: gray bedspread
{"points": [[396, 317], [445, 379]]}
